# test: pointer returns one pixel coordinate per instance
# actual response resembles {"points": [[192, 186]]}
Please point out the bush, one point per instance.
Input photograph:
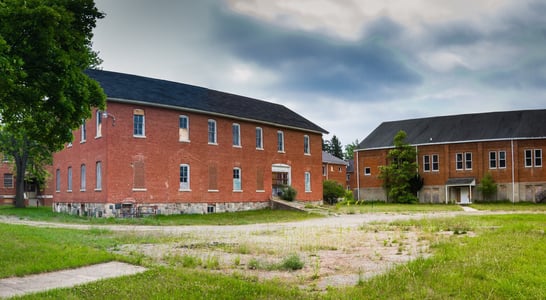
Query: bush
{"points": [[289, 193], [540, 197], [332, 191], [292, 262]]}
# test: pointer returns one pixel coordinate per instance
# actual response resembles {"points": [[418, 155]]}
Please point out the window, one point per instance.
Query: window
{"points": [[538, 158], [324, 170], [183, 129], [98, 176], [306, 149], [212, 132], [459, 161], [280, 141], [367, 171], [259, 138], [236, 132], [260, 180], [492, 160], [58, 180], [468, 160], [5, 158], [83, 132], [426, 163], [236, 179], [307, 182], [69, 179], [138, 123], [528, 158], [213, 179], [8, 180], [502, 159], [99, 124], [82, 178], [184, 177], [435, 163]]}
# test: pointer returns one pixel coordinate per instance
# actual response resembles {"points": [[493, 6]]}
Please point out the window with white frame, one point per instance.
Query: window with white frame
{"points": [[183, 128], [468, 160], [492, 160], [435, 163], [426, 163], [83, 175], [237, 179], [212, 131], [459, 161], [280, 141], [69, 179], [259, 138], [528, 158], [58, 180], [83, 132], [184, 177], [236, 134], [367, 171], [538, 158], [139, 129], [98, 124], [5, 158], [98, 176], [307, 182], [502, 159], [306, 148], [8, 180]]}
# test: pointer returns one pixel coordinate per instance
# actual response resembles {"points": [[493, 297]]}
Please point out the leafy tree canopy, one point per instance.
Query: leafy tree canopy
{"points": [[45, 47], [349, 150]]}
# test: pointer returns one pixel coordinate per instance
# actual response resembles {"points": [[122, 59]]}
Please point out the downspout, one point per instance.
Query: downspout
{"points": [[513, 178], [357, 178]]}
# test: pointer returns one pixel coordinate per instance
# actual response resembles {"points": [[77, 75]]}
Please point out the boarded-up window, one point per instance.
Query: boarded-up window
{"points": [[260, 179], [138, 174], [183, 129], [213, 178]]}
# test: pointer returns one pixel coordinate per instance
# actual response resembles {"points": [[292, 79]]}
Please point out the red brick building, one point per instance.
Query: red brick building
{"points": [[455, 153], [7, 189], [334, 168], [164, 147]]}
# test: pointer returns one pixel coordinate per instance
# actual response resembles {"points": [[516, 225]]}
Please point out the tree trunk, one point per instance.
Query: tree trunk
{"points": [[21, 166]]}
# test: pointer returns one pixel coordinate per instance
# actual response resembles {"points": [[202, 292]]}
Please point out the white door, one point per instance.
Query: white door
{"points": [[465, 197]]}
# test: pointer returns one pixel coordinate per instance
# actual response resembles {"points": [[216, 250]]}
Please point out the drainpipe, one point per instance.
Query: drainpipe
{"points": [[357, 178], [513, 178]]}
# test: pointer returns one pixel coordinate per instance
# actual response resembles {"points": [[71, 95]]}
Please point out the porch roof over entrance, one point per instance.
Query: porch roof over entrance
{"points": [[461, 181]]}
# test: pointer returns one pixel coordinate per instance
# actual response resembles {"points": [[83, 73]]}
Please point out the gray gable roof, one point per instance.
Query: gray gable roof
{"points": [[149, 91], [330, 159], [460, 128]]}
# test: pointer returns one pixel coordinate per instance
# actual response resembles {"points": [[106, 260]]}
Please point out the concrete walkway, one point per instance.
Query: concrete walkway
{"points": [[17, 286]]}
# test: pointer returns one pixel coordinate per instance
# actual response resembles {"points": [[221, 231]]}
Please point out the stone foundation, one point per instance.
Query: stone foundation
{"points": [[139, 209]]}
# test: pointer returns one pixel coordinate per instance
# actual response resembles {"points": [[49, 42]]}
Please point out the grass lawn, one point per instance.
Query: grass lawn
{"points": [[374, 207], [494, 257], [232, 218], [505, 206]]}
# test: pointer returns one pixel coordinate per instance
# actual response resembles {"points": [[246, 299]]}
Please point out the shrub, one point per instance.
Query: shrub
{"points": [[292, 262], [332, 191], [289, 193], [540, 197]]}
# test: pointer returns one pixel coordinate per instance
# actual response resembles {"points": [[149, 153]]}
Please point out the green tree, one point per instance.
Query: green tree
{"points": [[45, 47], [335, 147], [400, 171], [350, 149], [332, 191], [487, 187]]}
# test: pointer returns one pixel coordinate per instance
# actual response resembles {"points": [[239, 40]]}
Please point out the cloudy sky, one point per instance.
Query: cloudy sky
{"points": [[346, 65]]}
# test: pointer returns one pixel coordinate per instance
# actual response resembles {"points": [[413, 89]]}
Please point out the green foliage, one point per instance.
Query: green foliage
{"points": [[45, 47], [349, 150], [332, 191], [289, 193], [292, 262], [398, 174], [333, 146], [487, 187]]}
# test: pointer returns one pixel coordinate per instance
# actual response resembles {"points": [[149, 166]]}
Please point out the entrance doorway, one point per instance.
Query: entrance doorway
{"points": [[280, 178]]}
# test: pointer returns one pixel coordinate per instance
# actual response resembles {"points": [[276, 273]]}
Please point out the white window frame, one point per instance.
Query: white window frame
{"points": [[184, 186], [435, 162], [537, 159], [426, 163], [459, 159], [307, 180], [83, 179], [367, 171], [528, 158], [280, 141], [98, 124], [493, 160], [259, 138], [183, 133], [468, 161], [98, 176], [83, 132], [212, 131], [236, 135], [237, 180], [502, 160], [69, 180], [306, 145], [139, 126]]}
